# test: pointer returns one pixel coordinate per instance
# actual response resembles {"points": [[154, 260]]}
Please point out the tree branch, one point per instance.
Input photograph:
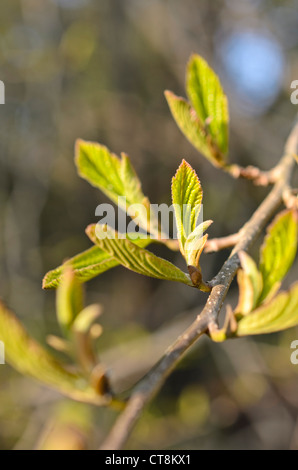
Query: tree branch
{"points": [[217, 244], [290, 198], [146, 389], [254, 174]]}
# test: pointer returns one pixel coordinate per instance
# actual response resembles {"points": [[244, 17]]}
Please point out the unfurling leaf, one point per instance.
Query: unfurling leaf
{"points": [[278, 314], [278, 252], [68, 427], [135, 258], [87, 265], [204, 121], [116, 178], [27, 356], [195, 243], [86, 318], [69, 299], [209, 101], [257, 289], [189, 123], [250, 284], [187, 197]]}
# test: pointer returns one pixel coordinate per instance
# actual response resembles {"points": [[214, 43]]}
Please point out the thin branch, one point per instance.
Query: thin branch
{"points": [[217, 244], [146, 389], [290, 198], [255, 174]]}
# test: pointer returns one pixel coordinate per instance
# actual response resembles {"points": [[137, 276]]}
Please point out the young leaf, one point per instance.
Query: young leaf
{"points": [[69, 298], [209, 101], [27, 356], [204, 121], [187, 197], [278, 314], [135, 258], [278, 251], [87, 265], [86, 318], [250, 283], [195, 243], [189, 124], [115, 177]]}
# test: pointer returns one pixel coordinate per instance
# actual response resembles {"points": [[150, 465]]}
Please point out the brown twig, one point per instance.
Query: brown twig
{"points": [[217, 244], [146, 389], [254, 174], [290, 198]]}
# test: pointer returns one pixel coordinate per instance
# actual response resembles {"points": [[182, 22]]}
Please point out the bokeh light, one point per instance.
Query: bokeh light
{"points": [[255, 66]]}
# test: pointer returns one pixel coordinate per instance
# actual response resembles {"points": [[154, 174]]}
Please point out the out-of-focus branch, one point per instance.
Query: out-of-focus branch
{"points": [[290, 198], [217, 244], [153, 381], [256, 175]]}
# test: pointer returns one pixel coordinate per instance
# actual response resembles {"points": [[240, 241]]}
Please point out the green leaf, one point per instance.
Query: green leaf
{"points": [[205, 120], [278, 251], [69, 298], [28, 357], [195, 244], [116, 178], [135, 258], [278, 314], [86, 318], [189, 124], [187, 197], [250, 283], [87, 265], [209, 101]]}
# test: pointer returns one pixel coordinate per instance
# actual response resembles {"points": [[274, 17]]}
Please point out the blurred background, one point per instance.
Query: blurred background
{"points": [[97, 70]]}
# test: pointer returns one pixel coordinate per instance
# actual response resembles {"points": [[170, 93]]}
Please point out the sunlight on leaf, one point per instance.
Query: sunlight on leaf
{"points": [[208, 99], [189, 124], [195, 243], [86, 318], [205, 120], [87, 265], [187, 197], [115, 177], [278, 251], [69, 298], [250, 284], [278, 314], [135, 258], [27, 356]]}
